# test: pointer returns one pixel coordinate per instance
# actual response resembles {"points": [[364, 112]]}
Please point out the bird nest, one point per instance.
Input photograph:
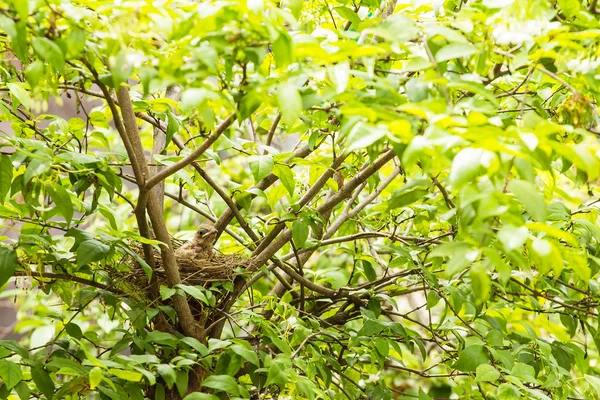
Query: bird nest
{"points": [[193, 271]]}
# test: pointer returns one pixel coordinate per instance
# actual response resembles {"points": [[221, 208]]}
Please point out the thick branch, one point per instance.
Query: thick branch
{"points": [[193, 156], [308, 196], [189, 326], [158, 146]]}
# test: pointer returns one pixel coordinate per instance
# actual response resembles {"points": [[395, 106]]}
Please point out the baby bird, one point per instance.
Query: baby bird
{"points": [[201, 245]]}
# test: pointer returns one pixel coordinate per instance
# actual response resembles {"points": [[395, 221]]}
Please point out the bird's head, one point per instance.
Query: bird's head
{"points": [[206, 234]]}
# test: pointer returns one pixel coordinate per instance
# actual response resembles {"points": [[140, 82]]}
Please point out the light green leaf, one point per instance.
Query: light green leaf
{"points": [[524, 372], [10, 373], [37, 167], [299, 233], [533, 201], [194, 291], [480, 281], [290, 103], [201, 396], [131, 376], [487, 373], [283, 50], [363, 135], [506, 391], [49, 52], [20, 94], [471, 357], [513, 238], [286, 176], [454, 50], [348, 14], [6, 175], [166, 292], [295, 7], [95, 377], [261, 166], [594, 381], [468, 163], [570, 7], [423, 395], [406, 198]]}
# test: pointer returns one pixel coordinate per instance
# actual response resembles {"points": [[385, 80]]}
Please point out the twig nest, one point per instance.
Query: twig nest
{"points": [[194, 271]]}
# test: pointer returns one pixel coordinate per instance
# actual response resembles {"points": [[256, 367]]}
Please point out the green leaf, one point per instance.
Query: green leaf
{"points": [[455, 50], [192, 99], [594, 381], [166, 292], [261, 166], [8, 264], [120, 68], [20, 94], [286, 176], [295, 7], [201, 396], [432, 299], [487, 373], [130, 376], [37, 167], [49, 52], [167, 373], [10, 373], [196, 292], [62, 200], [299, 233], [74, 330], [513, 238], [246, 353], [283, 50], [524, 372], [368, 269], [570, 8], [95, 377], [533, 201], [43, 381], [23, 391], [506, 391], [348, 14], [423, 395], [468, 163], [6, 175], [173, 127], [363, 135], [290, 103], [34, 73], [90, 251], [224, 383], [406, 198], [22, 8], [277, 375], [163, 338], [471, 357], [480, 282]]}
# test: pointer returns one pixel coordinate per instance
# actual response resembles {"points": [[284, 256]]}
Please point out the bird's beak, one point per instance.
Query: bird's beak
{"points": [[209, 233]]}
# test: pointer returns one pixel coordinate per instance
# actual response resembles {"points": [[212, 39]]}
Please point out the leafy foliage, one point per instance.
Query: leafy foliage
{"points": [[414, 186]]}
